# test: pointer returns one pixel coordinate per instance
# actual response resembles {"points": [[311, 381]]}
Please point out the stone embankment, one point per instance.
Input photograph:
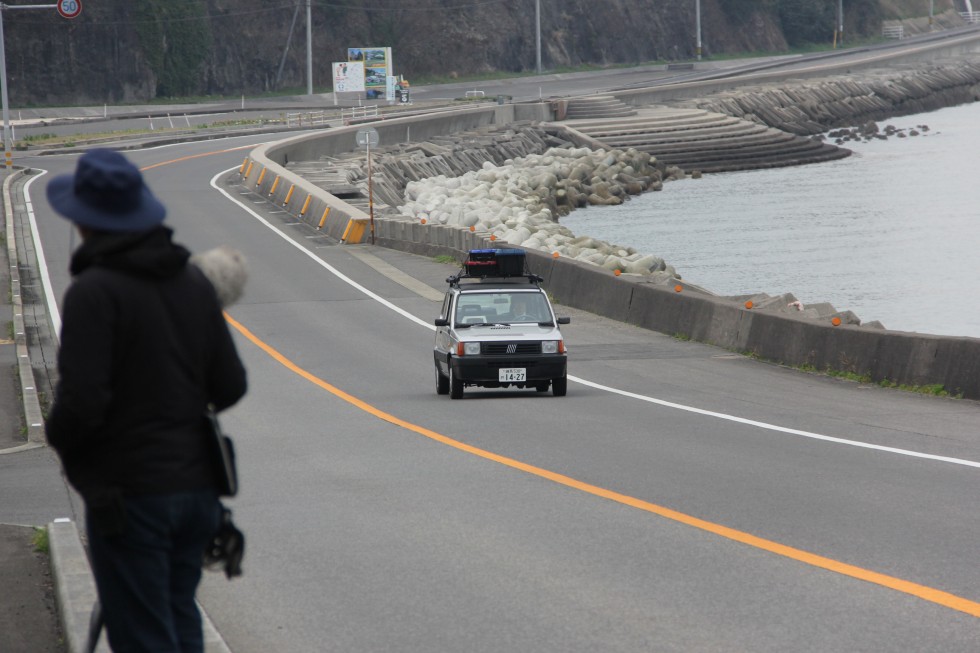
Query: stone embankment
{"points": [[814, 106], [509, 183], [705, 141], [345, 175]]}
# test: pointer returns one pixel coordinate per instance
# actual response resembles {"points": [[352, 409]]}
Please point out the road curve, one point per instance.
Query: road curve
{"points": [[660, 517]]}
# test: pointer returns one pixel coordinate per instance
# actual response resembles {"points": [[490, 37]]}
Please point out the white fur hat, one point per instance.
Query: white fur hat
{"points": [[225, 269]]}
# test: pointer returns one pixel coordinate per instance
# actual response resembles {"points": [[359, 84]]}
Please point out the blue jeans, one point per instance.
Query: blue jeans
{"points": [[148, 572]]}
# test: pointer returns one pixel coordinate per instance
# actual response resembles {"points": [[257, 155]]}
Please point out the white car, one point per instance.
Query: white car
{"points": [[498, 329]]}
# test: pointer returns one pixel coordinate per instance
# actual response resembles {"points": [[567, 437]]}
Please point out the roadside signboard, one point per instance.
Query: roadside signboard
{"points": [[348, 76], [367, 137]]}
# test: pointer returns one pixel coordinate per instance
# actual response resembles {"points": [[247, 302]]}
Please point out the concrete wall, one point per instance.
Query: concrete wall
{"points": [[898, 357]]}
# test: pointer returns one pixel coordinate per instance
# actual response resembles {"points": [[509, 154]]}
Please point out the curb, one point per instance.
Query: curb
{"points": [[32, 405], [74, 585], [75, 590]]}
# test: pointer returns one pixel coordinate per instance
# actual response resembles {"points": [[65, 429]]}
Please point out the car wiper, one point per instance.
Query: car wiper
{"points": [[473, 324]]}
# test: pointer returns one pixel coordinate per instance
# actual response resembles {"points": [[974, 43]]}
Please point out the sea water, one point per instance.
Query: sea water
{"points": [[891, 233]]}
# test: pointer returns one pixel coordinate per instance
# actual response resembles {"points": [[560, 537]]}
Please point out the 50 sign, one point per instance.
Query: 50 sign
{"points": [[69, 8]]}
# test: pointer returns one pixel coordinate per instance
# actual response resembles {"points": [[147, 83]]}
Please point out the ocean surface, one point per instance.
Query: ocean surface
{"points": [[891, 233]]}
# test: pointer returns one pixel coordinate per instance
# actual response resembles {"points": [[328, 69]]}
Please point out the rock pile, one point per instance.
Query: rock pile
{"points": [[871, 130], [394, 166], [519, 202]]}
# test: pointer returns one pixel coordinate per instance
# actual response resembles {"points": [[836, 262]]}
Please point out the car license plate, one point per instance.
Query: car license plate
{"points": [[513, 374]]}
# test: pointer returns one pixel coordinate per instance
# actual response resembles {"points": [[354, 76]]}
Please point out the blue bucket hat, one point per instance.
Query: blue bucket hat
{"points": [[106, 193]]}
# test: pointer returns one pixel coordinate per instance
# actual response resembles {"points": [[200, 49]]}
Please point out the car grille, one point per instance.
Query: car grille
{"points": [[510, 348]]}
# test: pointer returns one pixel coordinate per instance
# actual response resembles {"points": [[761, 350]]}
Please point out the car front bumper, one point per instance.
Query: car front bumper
{"points": [[485, 370]]}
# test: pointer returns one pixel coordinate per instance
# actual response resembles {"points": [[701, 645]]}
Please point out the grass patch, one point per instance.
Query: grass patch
{"points": [[446, 259], [40, 541], [933, 389], [70, 140]]}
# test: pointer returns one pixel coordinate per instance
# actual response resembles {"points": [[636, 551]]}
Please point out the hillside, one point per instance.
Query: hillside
{"points": [[119, 51]]}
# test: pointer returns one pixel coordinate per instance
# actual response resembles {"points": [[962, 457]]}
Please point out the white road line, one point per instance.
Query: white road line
{"points": [[331, 269], [597, 386], [42, 262], [774, 427]]}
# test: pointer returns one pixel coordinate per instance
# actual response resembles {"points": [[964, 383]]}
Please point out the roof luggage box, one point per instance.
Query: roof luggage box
{"points": [[495, 263]]}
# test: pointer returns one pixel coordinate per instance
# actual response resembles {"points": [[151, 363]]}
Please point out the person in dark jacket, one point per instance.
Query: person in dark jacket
{"points": [[144, 351]]}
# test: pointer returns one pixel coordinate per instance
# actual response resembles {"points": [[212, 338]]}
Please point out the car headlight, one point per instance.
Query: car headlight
{"points": [[468, 349], [552, 347]]}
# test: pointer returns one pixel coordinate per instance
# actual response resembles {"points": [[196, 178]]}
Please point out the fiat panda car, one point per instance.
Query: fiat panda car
{"points": [[497, 329]]}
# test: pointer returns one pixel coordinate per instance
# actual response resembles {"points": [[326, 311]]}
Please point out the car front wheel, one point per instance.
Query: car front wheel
{"points": [[455, 385], [559, 386], [442, 383]]}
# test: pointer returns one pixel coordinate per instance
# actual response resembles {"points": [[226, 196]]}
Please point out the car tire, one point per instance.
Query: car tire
{"points": [[442, 383], [559, 386], [455, 385]]}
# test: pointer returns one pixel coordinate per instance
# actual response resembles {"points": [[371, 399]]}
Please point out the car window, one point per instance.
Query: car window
{"points": [[528, 307], [501, 307]]}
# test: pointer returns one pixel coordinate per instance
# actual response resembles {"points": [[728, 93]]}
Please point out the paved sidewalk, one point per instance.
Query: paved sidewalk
{"points": [[32, 494]]}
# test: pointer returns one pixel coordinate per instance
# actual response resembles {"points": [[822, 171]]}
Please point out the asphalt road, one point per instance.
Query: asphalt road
{"points": [[680, 498]]}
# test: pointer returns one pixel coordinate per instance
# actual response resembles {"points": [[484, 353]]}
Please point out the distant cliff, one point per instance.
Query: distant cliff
{"points": [[120, 51]]}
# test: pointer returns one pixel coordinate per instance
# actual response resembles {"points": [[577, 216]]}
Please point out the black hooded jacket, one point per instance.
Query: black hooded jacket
{"points": [[144, 350]]}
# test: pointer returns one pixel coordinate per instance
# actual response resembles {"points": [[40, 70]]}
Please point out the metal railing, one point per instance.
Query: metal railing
{"points": [[893, 31], [306, 119], [359, 113]]}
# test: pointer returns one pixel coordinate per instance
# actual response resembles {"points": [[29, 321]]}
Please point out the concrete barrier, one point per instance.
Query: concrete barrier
{"points": [[887, 357]]}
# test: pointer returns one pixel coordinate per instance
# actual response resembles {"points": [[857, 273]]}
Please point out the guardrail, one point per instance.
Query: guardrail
{"points": [[360, 113], [893, 32], [306, 118]]}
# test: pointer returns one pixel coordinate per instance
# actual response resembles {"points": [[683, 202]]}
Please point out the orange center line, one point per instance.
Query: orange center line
{"points": [[923, 592], [197, 156]]}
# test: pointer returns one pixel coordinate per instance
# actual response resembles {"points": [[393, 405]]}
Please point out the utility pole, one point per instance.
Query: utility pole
{"points": [[697, 21], [537, 31], [8, 156], [67, 9], [309, 49], [840, 20]]}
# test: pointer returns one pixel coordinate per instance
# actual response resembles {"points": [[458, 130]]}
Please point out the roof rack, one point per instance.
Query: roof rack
{"points": [[483, 264]]}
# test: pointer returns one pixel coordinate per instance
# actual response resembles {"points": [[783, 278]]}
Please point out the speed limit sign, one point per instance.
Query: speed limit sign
{"points": [[69, 8]]}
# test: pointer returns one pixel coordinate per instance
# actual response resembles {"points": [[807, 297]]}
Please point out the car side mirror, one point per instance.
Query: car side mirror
{"points": [[564, 320], [441, 322]]}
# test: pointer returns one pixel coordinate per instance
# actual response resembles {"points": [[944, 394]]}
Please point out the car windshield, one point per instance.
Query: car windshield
{"points": [[502, 307]]}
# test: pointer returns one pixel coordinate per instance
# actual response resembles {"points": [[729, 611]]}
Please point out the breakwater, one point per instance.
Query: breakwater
{"points": [[814, 106]]}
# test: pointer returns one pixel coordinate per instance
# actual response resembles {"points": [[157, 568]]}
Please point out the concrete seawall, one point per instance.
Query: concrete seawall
{"points": [[883, 356], [896, 357]]}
